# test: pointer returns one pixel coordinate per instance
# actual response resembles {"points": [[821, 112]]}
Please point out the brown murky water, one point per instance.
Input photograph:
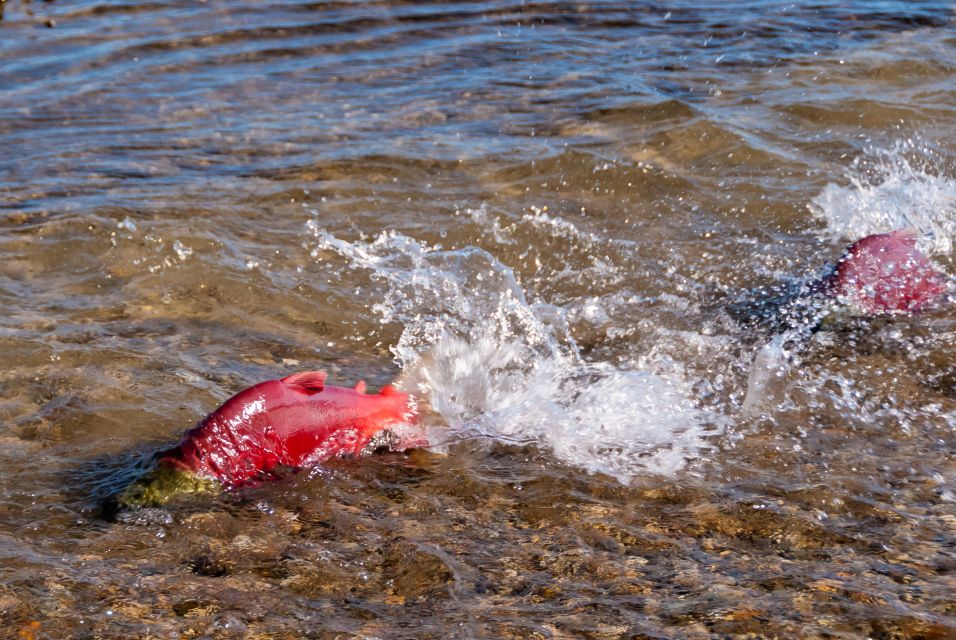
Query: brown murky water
{"points": [[546, 212]]}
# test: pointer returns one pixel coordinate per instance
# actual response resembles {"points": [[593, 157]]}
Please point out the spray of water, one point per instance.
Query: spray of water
{"points": [[498, 367], [903, 186]]}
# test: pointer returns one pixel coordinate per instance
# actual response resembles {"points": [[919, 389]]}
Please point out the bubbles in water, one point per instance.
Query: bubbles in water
{"points": [[496, 366], [182, 251], [893, 189], [558, 227]]}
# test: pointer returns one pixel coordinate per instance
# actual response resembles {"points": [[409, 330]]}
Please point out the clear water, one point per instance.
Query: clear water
{"points": [[538, 215]]}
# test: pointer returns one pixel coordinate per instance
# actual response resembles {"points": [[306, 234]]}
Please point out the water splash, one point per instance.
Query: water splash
{"points": [[496, 366], [894, 188], [767, 380]]}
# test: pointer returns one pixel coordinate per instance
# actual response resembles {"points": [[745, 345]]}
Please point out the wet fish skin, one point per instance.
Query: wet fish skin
{"points": [[885, 273], [878, 275], [296, 421]]}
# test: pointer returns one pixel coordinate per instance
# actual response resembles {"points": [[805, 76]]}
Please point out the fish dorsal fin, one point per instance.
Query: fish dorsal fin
{"points": [[360, 386], [307, 381], [389, 390]]}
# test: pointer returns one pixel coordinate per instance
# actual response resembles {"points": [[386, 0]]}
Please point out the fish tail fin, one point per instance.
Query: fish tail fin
{"points": [[389, 390]]}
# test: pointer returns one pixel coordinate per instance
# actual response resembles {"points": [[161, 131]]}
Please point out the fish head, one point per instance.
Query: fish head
{"points": [[885, 273], [166, 482]]}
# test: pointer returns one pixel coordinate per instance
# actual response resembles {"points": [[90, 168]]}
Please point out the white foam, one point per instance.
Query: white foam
{"points": [[497, 367], [892, 189]]}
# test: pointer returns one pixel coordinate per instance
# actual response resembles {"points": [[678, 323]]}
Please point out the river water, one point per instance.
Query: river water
{"points": [[549, 216]]}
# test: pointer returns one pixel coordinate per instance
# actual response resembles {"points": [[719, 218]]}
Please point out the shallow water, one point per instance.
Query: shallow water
{"points": [[544, 213]]}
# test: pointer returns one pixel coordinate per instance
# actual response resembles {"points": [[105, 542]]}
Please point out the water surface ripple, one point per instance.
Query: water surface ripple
{"points": [[549, 215]]}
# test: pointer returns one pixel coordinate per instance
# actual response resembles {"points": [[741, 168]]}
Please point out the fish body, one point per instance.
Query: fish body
{"points": [[885, 274], [297, 421], [880, 274]]}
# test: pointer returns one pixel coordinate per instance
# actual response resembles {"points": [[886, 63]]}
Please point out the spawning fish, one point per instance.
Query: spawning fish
{"points": [[885, 273], [881, 274], [297, 421]]}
